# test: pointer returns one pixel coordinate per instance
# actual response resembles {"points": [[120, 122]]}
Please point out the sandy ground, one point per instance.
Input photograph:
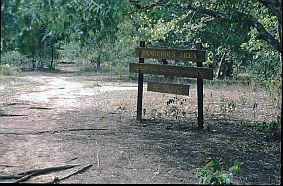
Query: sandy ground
{"points": [[65, 118]]}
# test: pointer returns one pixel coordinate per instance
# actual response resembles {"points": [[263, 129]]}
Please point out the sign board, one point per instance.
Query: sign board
{"points": [[198, 72], [168, 88], [191, 72], [177, 54]]}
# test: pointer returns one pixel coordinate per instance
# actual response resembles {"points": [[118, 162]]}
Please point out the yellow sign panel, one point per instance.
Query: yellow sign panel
{"points": [[178, 54]]}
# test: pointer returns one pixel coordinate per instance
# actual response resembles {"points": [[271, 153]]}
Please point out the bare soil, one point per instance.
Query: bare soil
{"points": [[53, 119]]}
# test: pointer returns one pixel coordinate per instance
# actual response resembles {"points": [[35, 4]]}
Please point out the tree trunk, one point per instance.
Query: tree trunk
{"points": [[98, 63], [33, 58], [220, 66], [229, 69], [52, 57]]}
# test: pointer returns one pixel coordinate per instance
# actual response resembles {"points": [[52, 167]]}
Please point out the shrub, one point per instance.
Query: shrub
{"points": [[14, 58], [9, 70], [213, 174]]}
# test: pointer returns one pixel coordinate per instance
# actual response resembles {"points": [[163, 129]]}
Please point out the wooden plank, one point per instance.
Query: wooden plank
{"points": [[168, 88], [140, 88], [177, 54], [200, 94], [191, 72]]}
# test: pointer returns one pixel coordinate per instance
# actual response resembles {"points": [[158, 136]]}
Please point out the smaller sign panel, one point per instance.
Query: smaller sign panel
{"points": [[177, 54], [168, 88], [190, 72]]}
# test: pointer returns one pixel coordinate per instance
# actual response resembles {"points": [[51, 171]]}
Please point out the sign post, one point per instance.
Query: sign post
{"points": [[140, 88], [200, 93], [198, 72]]}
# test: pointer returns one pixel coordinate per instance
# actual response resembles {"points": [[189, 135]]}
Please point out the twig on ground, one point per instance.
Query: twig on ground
{"points": [[11, 115], [23, 176], [7, 165], [56, 179], [26, 177], [72, 159], [37, 107]]}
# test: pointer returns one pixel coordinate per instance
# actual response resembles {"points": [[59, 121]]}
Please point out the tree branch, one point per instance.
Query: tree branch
{"points": [[275, 7], [263, 33], [205, 11], [149, 6]]}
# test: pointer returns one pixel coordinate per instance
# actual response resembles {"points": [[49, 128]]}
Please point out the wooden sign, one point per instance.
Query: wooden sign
{"points": [[178, 54], [191, 72], [168, 88]]}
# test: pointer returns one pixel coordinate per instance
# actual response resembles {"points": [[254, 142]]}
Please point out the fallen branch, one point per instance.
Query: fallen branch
{"points": [[65, 130], [56, 179], [23, 176], [2, 165], [26, 177], [72, 159], [8, 177], [40, 108], [11, 115]]}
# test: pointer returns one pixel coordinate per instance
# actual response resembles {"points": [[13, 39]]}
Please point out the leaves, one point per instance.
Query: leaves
{"points": [[212, 173]]}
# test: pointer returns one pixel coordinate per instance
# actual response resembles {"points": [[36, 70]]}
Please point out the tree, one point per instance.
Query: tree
{"points": [[39, 28], [224, 27], [233, 12]]}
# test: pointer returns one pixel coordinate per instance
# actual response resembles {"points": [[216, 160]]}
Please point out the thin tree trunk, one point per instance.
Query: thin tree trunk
{"points": [[98, 63], [220, 64], [52, 56], [33, 57]]}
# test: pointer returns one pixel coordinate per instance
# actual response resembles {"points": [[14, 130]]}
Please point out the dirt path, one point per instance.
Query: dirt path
{"points": [[83, 120]]}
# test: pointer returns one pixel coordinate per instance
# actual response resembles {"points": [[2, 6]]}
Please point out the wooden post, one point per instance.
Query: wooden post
{"points": [[200, 93], [140, 88]]}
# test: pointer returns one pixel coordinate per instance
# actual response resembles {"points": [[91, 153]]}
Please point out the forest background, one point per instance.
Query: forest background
{"points": [[242, 38]]}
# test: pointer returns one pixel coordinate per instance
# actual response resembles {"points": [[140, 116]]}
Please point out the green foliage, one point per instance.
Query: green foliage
{"points": [[269, 127], [274, 88], [227, 106], [39, 28], [274, 126], [14, 58], [243, 99], [231, 106], [70, 52], [223, 109], [213, 173], [154, 114], [175, 107], [102, 35], [2, 112], [9, 70]]}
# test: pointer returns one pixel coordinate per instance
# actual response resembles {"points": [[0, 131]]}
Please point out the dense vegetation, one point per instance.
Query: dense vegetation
{"points": [[242, 40], [242, 37]]}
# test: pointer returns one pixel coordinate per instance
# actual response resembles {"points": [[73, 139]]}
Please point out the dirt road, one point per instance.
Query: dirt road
{"points": [[69, 119]]}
